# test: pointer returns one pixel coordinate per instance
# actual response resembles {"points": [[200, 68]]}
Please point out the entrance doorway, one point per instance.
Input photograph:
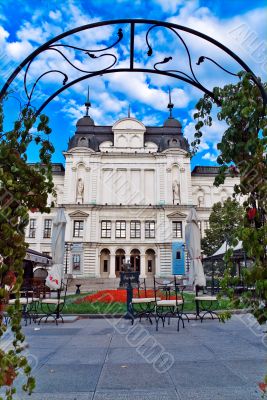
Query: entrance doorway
{"points": [[104, 262], [135, 260], [119, 260], [150, 262]]}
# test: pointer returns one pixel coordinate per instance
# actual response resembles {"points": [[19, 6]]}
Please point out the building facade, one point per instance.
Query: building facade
{"points": [[127, 191]]}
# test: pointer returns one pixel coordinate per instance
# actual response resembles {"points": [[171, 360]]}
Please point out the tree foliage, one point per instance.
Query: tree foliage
{"points": [[243, 152], [224, 221], [22, 187]]}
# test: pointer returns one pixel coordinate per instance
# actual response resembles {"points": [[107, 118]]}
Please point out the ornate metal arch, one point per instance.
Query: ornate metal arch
{"points": [[124, 25]]}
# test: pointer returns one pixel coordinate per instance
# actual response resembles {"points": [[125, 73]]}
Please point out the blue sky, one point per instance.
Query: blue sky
{"points": [[25, 25]]}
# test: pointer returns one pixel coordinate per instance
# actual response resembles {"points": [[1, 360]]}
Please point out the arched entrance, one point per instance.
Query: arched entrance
{"points": [[135, 260], [104, 263], [150, 262], [119, 260]]}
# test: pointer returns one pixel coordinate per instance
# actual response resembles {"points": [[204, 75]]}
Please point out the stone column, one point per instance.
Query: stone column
{"points": [[157, 262], [112, 273], [143, 266]]}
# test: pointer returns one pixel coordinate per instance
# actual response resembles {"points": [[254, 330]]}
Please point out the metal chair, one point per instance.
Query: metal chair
{"points": [[143, 305], [25, 300], [168, 308], [53, 306], [205, 303]]}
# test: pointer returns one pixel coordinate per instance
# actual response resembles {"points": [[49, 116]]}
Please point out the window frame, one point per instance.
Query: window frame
{"points": [[135, 232], [47, 231], [149, 232], [75, 255], [79, 230], [176, 231], [119, 230], [32, 229], [106, 229]]}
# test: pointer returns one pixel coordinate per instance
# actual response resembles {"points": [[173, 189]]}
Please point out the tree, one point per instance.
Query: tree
{"points": [[224, 221], [22, 188], [244, 147]]}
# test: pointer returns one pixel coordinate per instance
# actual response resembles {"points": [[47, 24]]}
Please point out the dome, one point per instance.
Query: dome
{"points": [[172, 123], [85, 121]]}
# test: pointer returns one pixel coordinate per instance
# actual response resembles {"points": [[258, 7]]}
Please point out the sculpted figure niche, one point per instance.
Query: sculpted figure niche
{"points": [[176, 196], [79, 191]]}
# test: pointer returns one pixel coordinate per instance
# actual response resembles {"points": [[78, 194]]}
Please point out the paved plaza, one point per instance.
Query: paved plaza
{"points": [[108, 359]]}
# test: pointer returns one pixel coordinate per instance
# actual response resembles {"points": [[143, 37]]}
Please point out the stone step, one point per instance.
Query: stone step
{"points": [[93, 284]]}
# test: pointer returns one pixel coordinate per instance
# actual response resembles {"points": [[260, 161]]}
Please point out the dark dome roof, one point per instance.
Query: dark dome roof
{"points": [[85, 121], [172, 123]]}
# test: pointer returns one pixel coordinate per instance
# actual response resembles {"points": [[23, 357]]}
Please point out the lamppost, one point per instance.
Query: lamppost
{"points": [[68, 248]]}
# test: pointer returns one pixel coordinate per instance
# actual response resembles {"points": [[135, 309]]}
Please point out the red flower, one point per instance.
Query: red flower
{"points": [[9, 376], [10, 278], [251, 213], [263, 386], [117, 296], [233, 170]]}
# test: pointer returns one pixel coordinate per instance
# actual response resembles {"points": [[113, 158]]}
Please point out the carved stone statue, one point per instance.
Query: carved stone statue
{"points": [[200, 200], [80, 191], [176, 192]]}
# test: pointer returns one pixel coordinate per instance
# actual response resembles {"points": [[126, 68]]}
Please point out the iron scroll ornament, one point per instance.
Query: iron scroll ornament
{"points": [[96, 54]]}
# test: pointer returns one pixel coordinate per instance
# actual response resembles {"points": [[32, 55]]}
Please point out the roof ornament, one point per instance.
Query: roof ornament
{"points": [[87, 103], [129, 111], [170, 105]]}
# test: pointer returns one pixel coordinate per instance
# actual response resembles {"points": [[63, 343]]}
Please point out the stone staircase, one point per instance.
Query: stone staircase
{"points": [[93, 284]]}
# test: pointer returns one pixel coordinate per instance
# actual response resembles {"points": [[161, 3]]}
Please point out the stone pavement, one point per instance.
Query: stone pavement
{"points": [[108, 359]]}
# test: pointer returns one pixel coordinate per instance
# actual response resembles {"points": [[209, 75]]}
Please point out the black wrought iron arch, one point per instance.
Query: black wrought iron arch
{"points": [[54, 45]]}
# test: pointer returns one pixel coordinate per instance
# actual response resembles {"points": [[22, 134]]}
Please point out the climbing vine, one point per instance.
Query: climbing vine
{"points": [[22, 187]]}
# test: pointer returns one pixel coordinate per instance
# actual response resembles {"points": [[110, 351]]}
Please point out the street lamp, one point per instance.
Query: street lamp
{"points": [[68, 248]]}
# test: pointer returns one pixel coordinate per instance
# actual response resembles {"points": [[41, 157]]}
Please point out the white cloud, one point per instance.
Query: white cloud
{"points": [[223, 29], [169, 5], [19, 50], [55, 15], [135, 87], [150, 120], [210, 157], [3, 34], [28, 32]]}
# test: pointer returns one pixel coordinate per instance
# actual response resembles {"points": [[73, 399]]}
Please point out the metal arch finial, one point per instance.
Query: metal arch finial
{"points": [[170, 105], [129, 111], [87, 103]]}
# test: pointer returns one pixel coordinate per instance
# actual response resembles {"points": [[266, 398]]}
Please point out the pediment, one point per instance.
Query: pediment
{"points": [[177, 214], [78, 214], [129, 124]]}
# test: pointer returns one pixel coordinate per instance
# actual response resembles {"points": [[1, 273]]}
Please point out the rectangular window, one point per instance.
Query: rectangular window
{"points": [[32, 228], [46, 253], [177, 229], [47, 228], [76, 262], [121, 229], [150, 229], [135, 229], [106, 229], [78, 229], [206, 224]]}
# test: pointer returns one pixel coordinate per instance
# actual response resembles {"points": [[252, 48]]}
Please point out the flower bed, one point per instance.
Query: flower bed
{"points": [[117, 296]]}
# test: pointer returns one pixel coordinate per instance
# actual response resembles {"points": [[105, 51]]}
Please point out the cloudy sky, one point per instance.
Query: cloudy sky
{"points": [[26, 24]]}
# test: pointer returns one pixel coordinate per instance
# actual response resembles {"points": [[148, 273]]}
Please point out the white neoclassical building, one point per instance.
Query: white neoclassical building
{"points": [[127, 190]]}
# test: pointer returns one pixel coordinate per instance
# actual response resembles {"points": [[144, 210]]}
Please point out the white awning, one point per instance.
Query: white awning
{"points": [[38, 258], [224, 247]]}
